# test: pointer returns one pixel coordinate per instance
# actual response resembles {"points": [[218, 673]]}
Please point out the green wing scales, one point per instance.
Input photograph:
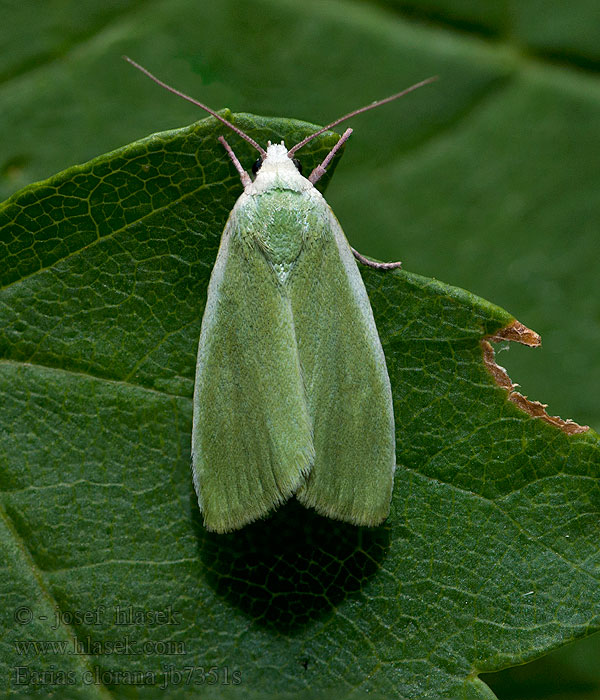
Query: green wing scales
{"points": [[292, 393], [251, 438], [347, 384]]}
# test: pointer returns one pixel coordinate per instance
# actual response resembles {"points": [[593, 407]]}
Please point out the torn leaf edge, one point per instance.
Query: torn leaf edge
{"points": [[519, 333]]}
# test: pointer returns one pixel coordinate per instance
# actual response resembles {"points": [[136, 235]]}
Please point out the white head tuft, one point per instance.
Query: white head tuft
{"points": [[277, 157], [278, 170]]}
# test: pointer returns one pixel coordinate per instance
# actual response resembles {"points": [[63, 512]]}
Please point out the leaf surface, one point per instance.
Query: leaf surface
{"points": [[489, 557], [488, 180]]}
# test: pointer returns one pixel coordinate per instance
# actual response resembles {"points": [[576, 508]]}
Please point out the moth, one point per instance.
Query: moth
{"points": [[292, 395]]}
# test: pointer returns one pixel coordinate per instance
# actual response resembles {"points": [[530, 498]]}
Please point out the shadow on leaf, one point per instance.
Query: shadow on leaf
{"points": [[292, 568]]}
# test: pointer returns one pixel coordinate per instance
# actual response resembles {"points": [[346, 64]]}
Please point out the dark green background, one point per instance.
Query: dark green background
{"points": [[488, 179]]}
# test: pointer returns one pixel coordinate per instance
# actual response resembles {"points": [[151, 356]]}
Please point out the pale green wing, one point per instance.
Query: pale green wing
{"points": [[346, 380], [251, 436]]}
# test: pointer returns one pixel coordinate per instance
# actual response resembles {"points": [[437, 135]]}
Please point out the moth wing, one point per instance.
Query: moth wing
{"points": [[347, 384], [251, 436]]}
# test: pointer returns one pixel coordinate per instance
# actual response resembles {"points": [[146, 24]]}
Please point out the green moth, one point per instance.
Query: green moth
{"points": [[292, 394]]}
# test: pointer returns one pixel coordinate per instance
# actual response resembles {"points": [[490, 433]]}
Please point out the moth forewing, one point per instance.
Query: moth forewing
{"points": [[348, 387], [251, 435]]}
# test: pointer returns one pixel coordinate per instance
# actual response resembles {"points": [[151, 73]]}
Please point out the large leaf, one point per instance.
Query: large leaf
{"points": [[489, 556], [500, 194], [488, 179]]}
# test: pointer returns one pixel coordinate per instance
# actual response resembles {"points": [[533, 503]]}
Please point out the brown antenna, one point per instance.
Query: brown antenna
{"points": [[239, 132], [366, 108]]}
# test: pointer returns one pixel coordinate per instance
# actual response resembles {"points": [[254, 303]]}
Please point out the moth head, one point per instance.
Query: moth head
{"points": [[276, 158]]}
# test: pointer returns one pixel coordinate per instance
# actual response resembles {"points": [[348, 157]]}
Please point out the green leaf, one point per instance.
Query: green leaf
{"points": [[488, 179], [489, 557]]}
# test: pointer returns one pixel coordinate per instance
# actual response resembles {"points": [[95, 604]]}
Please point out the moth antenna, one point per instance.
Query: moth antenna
{"points": [[239, 132], [319, 171], [366, 108]]}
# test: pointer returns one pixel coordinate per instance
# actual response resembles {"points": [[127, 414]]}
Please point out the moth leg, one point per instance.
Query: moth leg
{"points": [[319, 171], [244, 177], [373, 263]]}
